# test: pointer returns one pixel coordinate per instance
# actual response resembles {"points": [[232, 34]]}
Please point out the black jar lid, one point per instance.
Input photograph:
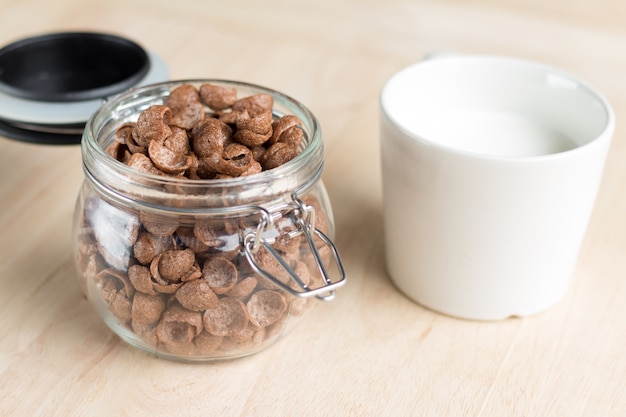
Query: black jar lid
{"points": [[51, 84]]}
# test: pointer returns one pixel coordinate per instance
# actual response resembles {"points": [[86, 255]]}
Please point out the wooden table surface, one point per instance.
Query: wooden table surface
{"points": [[371, 352]]}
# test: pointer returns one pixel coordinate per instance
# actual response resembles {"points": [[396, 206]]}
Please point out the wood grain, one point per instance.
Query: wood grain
{"points": [[371, 352]]}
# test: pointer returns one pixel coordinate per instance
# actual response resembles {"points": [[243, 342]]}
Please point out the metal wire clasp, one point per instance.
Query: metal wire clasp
{"points": [[303, 217]]}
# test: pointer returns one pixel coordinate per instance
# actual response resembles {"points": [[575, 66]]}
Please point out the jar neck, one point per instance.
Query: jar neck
{"points": [[117, 181]]}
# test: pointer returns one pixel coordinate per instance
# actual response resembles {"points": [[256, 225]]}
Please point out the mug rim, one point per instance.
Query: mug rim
{"points": [[437, 59]]}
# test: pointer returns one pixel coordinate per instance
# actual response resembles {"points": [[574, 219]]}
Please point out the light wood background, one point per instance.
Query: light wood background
{"points": [[371, 352]]}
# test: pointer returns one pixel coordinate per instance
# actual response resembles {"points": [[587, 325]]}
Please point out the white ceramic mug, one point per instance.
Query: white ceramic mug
{"points": [[491, 167]]}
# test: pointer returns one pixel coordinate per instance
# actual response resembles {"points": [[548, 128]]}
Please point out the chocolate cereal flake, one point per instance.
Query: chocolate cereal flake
{"points": [[226, 317], [266, 307]]}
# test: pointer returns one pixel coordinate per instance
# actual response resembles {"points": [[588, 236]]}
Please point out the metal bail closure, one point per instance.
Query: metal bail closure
{"points": [[303, 217]]}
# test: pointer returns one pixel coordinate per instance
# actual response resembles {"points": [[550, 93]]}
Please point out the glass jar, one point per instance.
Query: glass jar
{"points": [[202, 269]]}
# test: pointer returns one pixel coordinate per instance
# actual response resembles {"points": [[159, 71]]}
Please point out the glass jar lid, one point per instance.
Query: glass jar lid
{"points": [[51, 84]]}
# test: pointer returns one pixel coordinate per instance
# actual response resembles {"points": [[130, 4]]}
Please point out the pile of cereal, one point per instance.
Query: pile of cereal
{"points": [[236, 137], [185, 288]]}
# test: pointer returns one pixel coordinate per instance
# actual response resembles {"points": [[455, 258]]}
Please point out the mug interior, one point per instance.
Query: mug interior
{"points": [[495, 106]]}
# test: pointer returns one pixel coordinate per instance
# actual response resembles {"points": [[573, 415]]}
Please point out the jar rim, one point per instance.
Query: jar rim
{"points": [[117, 109]]}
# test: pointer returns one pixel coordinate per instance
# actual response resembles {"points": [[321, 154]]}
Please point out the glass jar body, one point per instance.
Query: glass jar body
{"points": [[201, 269]]}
